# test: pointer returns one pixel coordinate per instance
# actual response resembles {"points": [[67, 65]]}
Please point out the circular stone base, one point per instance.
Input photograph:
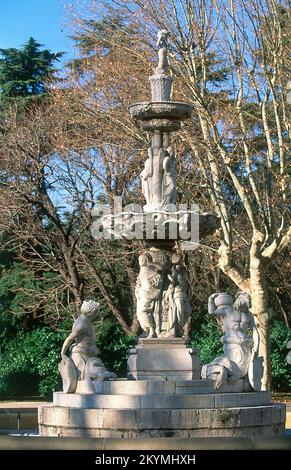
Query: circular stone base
{"points": [[142, 409], [244, 421]]}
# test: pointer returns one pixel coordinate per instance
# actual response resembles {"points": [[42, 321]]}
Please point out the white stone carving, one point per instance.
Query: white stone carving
{"points": [[169, 178], [240, 344], [146, 177], [179, 306], [161, 81], [162, 44], [158, 180], [83, 367], [161, 292]]}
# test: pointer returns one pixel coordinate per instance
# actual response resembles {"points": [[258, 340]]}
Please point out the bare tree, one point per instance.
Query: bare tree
{"points": [[47, 197]]}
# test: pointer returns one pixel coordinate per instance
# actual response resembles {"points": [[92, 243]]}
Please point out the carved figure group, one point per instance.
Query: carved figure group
{"points": [[161, 292]]}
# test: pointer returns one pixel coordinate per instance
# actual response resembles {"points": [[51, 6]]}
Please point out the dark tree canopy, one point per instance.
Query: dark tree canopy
{"points": [[23, 73]]}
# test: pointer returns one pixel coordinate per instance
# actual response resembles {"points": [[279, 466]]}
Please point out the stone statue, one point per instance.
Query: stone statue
{"points": [[179, 306], [158, 180], [162, 44], [146, 177], [83, 367], [161, 81], [169, 178], [240, 344]]}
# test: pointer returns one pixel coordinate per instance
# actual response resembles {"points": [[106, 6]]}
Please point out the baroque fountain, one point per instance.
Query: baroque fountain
{"points": [[167, 392]]}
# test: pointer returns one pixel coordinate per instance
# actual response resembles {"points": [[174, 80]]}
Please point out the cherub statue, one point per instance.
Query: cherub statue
{"points": [[240, 343], [83, 367]]}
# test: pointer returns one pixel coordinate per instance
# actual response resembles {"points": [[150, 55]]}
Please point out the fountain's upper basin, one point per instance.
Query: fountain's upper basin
{"points": [[160, 110]]}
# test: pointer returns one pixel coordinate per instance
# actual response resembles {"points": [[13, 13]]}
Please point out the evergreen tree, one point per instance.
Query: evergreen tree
{"points": [[23, 73], [23, 76]]}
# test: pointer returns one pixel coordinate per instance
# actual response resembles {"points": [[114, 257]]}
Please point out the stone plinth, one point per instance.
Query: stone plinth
{"points": [[163, 359]]}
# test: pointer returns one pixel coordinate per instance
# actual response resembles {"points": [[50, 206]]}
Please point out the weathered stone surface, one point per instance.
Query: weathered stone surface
{"points": [[253, 421]]}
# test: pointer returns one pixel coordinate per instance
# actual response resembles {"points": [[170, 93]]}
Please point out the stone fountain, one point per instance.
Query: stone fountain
{"points": [[167, 392]]}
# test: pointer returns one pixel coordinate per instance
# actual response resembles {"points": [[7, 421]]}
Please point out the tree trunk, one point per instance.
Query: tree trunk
{"points": [[134, 326], [260, 312]]}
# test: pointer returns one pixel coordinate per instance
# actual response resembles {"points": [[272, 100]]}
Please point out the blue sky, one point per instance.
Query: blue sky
{"points": [[44, 20]]}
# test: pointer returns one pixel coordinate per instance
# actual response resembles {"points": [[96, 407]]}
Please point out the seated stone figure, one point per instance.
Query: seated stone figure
{"points": [[83, 367], [239, 369]]}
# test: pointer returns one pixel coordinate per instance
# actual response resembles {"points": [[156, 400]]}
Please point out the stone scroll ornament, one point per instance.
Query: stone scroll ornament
{"points": [[83, 367], [163, 307], [240, 366]]}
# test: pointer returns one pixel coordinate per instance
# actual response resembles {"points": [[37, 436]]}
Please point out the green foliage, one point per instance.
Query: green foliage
{"points": [[114, 345], [16, 282], [206, 340], [281, 371], [29, 364], [35, 354], [23, 73], [101, 32]]}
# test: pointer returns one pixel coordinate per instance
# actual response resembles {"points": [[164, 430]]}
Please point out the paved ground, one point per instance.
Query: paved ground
{"points": [[169, 443]]}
